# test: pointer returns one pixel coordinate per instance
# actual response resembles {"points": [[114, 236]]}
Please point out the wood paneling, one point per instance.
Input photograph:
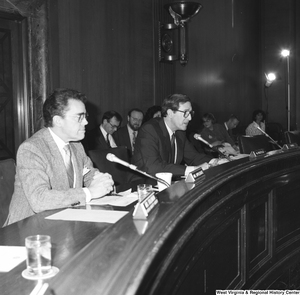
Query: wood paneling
{"points": [[221, 75], [105, 49], [279, 30], [109, 50]]}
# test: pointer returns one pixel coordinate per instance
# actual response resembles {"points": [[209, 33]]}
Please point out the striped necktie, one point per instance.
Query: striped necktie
{"points": [[133, 140], [69, 166], [107, 140]]}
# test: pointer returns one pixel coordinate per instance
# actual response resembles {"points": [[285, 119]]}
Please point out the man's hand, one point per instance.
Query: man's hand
{"points": [[101, 185]]}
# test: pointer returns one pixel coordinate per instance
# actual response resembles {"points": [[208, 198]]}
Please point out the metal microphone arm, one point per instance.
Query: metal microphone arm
{"points": [[113, 158], [266, 134], [153, 177], [198, 137]]}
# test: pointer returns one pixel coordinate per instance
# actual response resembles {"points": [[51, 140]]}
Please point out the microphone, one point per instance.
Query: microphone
{"points": [[113, 158], [266, 134], [198, 137]]}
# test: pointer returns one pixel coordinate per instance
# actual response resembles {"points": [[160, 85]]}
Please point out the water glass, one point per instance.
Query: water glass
{"points": [[38, 249]]}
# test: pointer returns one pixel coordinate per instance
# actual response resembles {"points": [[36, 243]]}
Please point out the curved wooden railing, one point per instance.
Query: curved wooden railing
{"points": [[236, 228], [239, 228]]}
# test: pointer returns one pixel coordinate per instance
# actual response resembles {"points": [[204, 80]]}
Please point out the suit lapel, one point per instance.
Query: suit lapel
{"points": [[166, 141], [126, 138], [57, 160], [101, 139], [180, 143]]}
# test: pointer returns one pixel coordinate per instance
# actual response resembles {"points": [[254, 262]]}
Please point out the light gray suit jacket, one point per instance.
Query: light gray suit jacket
{"points": [[41, 181]]}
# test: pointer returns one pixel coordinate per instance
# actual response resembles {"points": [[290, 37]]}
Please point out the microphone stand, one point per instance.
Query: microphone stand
{"points": [[150, 176], [113, 158], [266, 134], [198, 137]]}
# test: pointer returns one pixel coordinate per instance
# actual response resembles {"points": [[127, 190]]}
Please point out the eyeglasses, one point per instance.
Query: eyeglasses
{"points": [[113, 126], [136, 119], [187, 113], [81, 116]]}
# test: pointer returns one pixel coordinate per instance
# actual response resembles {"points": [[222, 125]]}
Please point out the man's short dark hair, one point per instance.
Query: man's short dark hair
{"points": [[110, 114], [56, 103], [233, 117], [135, 110], [173, 102], [209, 116]]}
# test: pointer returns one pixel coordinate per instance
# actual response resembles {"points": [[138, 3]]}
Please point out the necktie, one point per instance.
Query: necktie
{"points": [[107, 140], [133, 140], [69, 166], [173, 148]]}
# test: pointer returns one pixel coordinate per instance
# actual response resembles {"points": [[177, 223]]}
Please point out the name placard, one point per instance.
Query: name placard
{"points": [[142, 209], [290, 146], [257, 153], [195, 175]]}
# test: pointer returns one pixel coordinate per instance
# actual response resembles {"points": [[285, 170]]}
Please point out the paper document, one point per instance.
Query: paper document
{"points": [[120, 201], [11, 256], [107, 216]]}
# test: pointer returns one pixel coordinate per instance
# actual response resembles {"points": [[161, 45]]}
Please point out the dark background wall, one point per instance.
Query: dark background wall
{"points": [[108, 49]]}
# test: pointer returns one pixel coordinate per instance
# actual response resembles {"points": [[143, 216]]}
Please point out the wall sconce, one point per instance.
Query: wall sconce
{"points": [[270, 78], [172, 34]]}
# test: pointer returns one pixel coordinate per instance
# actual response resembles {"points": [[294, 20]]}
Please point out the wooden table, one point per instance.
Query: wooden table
{"points": [[237, 228]]}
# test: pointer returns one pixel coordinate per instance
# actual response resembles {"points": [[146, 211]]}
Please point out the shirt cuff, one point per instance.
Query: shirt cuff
{"points": [[189, 169], [88, 195]]}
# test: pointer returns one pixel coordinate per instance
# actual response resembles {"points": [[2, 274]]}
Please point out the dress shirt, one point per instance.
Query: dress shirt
{"points": [[110, 138], [188, 169], [61, 144], [171, 133], [130, 132], [251, 130]]}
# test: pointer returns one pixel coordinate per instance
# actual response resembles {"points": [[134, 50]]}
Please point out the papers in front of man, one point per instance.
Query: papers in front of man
{"points": [[116, 200], [11, 256], [107, 216]]}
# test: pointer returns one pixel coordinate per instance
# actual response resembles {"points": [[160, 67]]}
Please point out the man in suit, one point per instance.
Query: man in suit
{"points": [[53, 170], [162, 146], [230, 124], [126, 135], [101, 137]]}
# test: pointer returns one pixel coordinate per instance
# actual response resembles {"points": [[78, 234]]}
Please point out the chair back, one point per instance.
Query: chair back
{"points": [[292, 137], [119, 172], [247, 144], [7, 180], [275, 130]]}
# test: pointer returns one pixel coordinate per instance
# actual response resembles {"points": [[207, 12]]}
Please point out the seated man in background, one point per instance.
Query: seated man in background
{"points": [[162, 146], [52, 166], [230, 124], [101, 137], [126, 135]]}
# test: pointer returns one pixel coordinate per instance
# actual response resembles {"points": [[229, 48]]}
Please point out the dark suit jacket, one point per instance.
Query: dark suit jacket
{"points": [[152, 151], [94, 140], [122, 138]]}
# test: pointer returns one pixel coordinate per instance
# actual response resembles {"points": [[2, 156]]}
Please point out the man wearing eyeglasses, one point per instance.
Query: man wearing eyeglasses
{"points": [[126, 135], [53, 170], [153, 149], [101, 137]]}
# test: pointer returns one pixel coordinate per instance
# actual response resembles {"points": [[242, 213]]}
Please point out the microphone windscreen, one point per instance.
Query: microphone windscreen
{"points": [[110, 157]]}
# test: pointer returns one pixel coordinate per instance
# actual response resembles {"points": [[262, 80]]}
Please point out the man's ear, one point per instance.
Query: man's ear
{"points": [[57, 121], [170, 113]]}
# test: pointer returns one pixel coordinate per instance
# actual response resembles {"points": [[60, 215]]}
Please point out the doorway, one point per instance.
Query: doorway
{"points": [[14, 114]]}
